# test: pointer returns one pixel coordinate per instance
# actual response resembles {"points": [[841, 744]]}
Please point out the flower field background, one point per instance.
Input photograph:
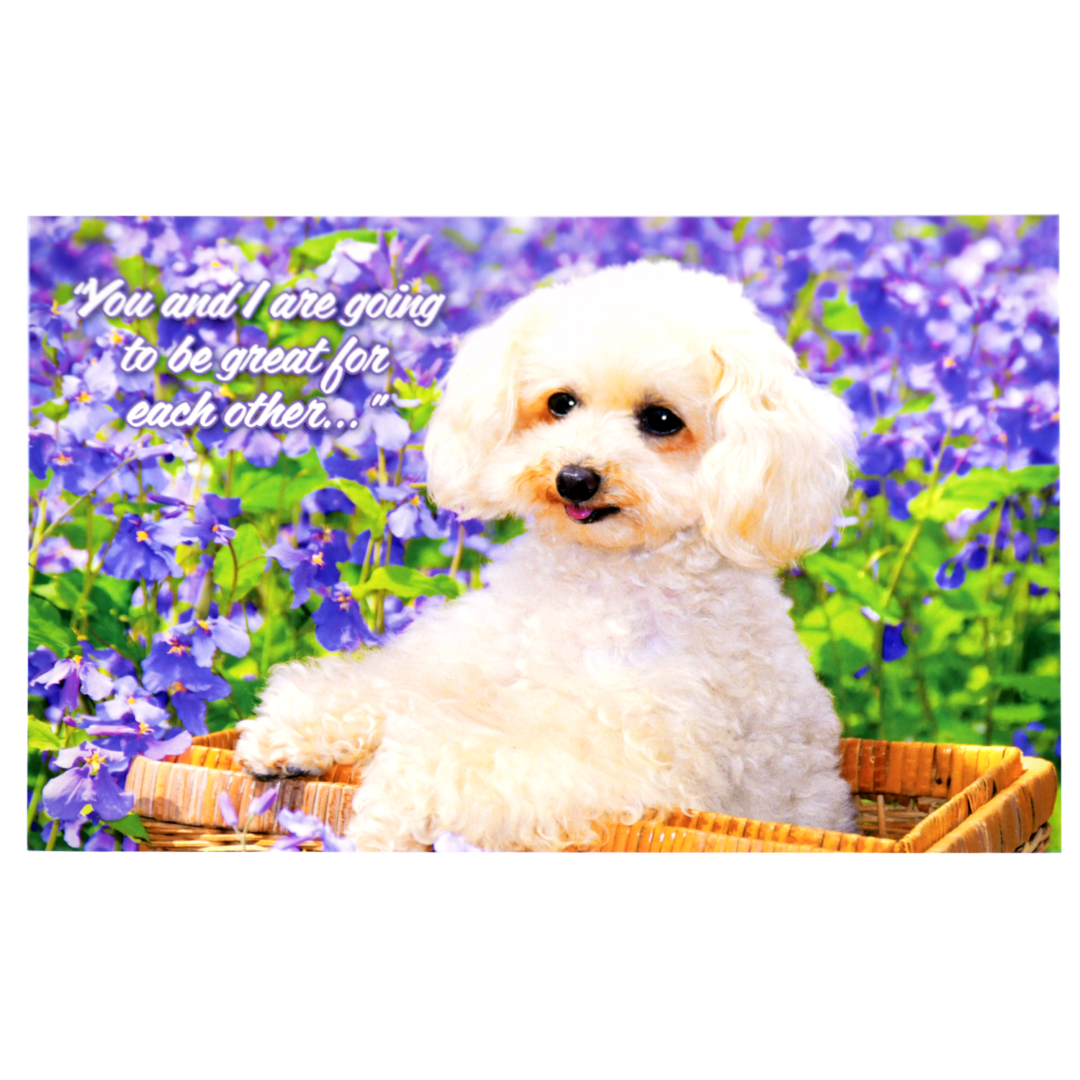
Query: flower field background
{"points": [[169, 570]]}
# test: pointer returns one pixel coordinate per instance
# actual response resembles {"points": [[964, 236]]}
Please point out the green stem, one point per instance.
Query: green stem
{"points": [[841, 693], [202, 609], [31, 810], [87, 577], [988, 652], [920, 678], [68, 509], [375, 552], [235, 570], [147, 613], [894, 580], [264, 659], [459, 550], [36, 542]]}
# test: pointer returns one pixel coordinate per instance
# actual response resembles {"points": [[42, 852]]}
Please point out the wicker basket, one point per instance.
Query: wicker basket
{"points": [[911, 797], [177, 798]]}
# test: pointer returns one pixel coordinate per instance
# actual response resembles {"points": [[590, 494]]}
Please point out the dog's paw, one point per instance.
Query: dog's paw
{"points": [[288, 773], [272, 752]]}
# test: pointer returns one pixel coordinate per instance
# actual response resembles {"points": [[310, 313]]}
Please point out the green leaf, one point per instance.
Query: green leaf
{"points": [[246, 570], [305, 484], [1019, 714], [265, 493], [263, 489], [46, 628], [843, 571], [369, 514], [251, 249], [54, 410], [42, 736], [245, 693], [91, 231], [133, 271], [918, 404], [977, 490], [417, 415], [318, 249], [63, 590], [407, 584], [1040, 687], [116, 590], [1048, 577], [841, 315], [108, 630], [505, 529], [131, 825]]}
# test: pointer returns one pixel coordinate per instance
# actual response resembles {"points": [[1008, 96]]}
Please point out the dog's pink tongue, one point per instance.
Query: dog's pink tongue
{"points": [[579, 513]]}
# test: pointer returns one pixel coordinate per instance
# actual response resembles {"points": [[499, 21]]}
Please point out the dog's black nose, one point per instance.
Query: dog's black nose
{"points": [[578, 483]]}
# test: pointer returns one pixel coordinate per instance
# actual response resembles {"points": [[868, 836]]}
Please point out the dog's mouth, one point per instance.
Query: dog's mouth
{"points": [[587, 515]]}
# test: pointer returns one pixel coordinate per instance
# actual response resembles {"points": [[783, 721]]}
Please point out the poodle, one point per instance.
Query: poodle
{"points": [[633, 649]]}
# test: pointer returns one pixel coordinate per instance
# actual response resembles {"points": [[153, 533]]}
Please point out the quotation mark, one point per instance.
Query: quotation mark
{"points": [[378, 400]]}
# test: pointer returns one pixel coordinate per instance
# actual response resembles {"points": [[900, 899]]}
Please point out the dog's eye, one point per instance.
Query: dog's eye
{"points": [[561, 403], [659, 420]]}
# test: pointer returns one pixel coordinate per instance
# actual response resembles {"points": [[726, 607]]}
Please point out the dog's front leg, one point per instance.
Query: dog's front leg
{"points": [[311, 715]]}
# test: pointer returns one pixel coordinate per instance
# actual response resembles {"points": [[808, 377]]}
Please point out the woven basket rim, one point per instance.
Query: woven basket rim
{"points": [[1000, 779]]}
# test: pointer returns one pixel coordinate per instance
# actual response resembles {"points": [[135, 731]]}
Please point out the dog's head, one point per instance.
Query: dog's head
{"points": [[623, 407]]}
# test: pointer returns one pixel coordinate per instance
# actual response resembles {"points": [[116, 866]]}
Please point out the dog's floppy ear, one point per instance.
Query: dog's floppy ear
{"points": [[775, 479], [475, 415]]}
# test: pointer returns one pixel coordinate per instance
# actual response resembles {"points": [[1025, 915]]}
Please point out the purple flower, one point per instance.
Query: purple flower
{"points": [[72, 829], [78, 673], [308, 827], [899, 495], [328, 501], [172, 667], [256, 808], [1023, 743], [893, 646], [42, 446], [57, 556], [451, 843], [228, 811], [1021, 546], [133, 705], [211, 515], [878, 457], [212, 633], [86, 783], [102, 840], [38, 662], [143, 549], [391, 430], [951, 574], [315, 563], [82, 467], [339, 626], [133, 740]]}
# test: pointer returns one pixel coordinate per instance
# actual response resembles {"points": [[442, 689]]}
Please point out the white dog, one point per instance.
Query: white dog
{"points": [[633, 650]]}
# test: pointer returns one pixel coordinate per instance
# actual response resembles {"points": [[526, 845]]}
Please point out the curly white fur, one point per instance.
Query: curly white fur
{"points": [[645, 659]]}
